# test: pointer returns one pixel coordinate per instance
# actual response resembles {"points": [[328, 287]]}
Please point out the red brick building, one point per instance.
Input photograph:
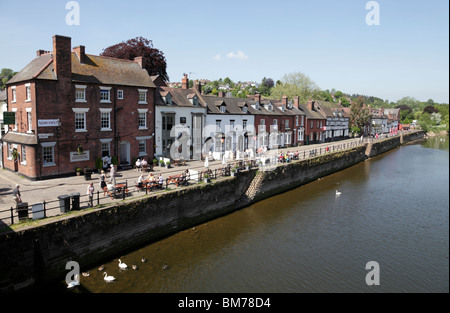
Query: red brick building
{"points": [[315, 123], [72, 108]]}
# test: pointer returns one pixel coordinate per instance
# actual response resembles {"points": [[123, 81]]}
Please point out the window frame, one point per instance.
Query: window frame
{"points": [[78, 88]]}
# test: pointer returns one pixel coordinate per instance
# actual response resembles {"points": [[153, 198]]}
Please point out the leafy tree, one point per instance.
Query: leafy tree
{"points": [[5, 75], [156, 62], [414, 104], [265, 86], [430, 109], [359, 115], [296, 84]]}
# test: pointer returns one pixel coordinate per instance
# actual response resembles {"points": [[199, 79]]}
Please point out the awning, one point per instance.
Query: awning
{"points": [[24, 139]]}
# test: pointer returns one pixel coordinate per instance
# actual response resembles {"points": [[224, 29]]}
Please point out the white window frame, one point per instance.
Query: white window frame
{"points": [[28, 92], [120, 94], [144, 93], [80, 111], [52, 146], [23, 153], [78, 89], [14, 94], [108, 112], [144, 112], [29, 120], [108, 89], [142, 144]]}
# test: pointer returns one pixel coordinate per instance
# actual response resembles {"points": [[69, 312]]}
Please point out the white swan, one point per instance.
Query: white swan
{"points": [[108, 278], [338, 193], [75, 282], [122, 265]]}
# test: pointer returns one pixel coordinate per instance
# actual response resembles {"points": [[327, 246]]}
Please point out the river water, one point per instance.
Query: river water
{"points": [[394, 209]]}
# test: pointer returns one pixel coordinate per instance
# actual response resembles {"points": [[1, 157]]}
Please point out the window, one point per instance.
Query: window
{"points": [[142, 147], [218, 128], [142, 96], [244, 124], [24, 155], [287, 138], [80, 93], [223, 109], [142, 118], [296, 120], [286, 123], [13, 90], [9, 151], [312, 124], [48, 153], [120, 94], [302, 120], [30, 121], [245, 109], [105, 148], [231, 125], [105, 119], [28, 92], [80, 119], [105, 94], [317, 124]]}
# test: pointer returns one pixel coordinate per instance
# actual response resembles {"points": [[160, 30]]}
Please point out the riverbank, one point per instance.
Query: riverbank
{"points": [[39, 254]]}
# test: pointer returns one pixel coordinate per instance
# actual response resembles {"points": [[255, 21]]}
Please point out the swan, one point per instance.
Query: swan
{"points": [[165, 266], [134, 266], [75, 282], [338, 193], [86, 274], [108, 278], [143, 260], [101, 268], [122, 265]]}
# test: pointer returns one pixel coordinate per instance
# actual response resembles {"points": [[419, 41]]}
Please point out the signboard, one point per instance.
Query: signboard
{"points": [[9, 118], [48, 123], [79, 157]]}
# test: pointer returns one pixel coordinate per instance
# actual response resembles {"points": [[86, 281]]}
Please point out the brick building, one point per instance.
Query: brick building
{"points": [[72, 108]]}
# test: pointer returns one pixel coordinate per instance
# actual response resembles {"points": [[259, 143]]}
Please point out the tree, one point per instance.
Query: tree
{"points": [[5, 75], [140, 47], [296, 84], [265, 86], [359, 115], [414, 104]]}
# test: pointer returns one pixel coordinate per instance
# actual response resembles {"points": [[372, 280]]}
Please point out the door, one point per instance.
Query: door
{"points": [[124, 153]]}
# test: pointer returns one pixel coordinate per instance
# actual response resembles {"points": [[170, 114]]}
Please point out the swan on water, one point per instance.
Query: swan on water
{"points": [[338, 193], [122, 265], [108, 278]]}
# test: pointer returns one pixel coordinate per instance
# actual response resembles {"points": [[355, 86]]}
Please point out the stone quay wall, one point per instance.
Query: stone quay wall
{"points": [[39, 254]]}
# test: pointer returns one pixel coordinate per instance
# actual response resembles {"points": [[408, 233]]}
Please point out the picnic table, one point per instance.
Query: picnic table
{"points": [[177, 180]]}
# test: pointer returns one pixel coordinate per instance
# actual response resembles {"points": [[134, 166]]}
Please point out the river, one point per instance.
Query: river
{"points": [[394, 210]]}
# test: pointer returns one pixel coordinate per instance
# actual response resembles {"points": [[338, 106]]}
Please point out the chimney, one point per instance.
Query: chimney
{"points": [[80, 51], [141, 61], [258, 97], [185, 82], [221, 94], [62, 56], [296, 102], [41, 52], [311, 105], [284, 100], [198, 86]]}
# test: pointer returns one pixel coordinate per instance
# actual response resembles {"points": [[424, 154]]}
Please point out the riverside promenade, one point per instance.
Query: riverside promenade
{"points": [[48, 190]]}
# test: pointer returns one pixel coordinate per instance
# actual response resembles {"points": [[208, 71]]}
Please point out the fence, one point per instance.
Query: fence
{"points": [[79, 202]]}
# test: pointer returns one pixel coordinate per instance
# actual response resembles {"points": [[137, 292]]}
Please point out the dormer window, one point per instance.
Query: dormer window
{"points": [[256, 105], [167, 99], [193, 99], [270, 107], [245, 109], [223, 109]]}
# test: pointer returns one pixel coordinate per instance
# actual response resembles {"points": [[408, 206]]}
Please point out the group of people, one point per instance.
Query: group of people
{"points": [[288, 156], [151, 179], [140, 164]]}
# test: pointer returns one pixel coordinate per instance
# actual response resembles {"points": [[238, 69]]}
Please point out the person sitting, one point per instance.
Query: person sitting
{"points": [[150, 177], [144, 164], [140, 185], [161, 181]]}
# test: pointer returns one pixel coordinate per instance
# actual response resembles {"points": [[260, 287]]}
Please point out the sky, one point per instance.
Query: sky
{"points": [[387, 48]]}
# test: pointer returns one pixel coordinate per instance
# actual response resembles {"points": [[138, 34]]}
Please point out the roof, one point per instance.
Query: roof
{"points": [[180, 96], [233, 105], [312, 114], [24, 139], [3, 95], [95, 70], [329, 109]]}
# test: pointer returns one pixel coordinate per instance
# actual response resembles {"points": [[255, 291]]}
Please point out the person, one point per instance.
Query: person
{"points": [[90, 193], [105, 162], [16, 195], [150, 177], [102, 179], [112, 175], [139, 182], [138, 165], [161, 180], [144, 165]]}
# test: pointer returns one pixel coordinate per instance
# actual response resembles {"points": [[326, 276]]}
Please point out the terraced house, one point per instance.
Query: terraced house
{"points": [[72, 108]]}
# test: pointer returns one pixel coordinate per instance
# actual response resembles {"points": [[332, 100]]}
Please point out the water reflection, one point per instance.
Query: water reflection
{"points": [[393, 210]]}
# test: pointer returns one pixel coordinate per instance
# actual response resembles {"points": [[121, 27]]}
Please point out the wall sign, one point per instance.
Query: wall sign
{"points": [[77, 157], [48, 123]]}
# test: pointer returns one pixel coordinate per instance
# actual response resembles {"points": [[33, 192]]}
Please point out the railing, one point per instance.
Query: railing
{"points": [[81, 202]]}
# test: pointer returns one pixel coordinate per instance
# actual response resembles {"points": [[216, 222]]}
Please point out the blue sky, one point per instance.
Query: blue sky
{"points": [[329, 40]]}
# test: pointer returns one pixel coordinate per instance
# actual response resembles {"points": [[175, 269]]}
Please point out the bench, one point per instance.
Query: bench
{"points": [[177, 180]]}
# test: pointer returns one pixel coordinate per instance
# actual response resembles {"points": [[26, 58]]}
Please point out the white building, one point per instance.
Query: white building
{"points": [[229, 127], [179, 120]]}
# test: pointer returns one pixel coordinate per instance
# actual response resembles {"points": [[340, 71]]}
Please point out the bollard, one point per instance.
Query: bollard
{"points": [[12, 216]]}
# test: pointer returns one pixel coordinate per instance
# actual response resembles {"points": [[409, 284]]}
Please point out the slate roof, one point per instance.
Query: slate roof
{"points": [[180, 97], [96, 70]]}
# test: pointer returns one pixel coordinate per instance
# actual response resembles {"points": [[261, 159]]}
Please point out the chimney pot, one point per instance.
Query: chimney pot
{"points": [[185, 82]]}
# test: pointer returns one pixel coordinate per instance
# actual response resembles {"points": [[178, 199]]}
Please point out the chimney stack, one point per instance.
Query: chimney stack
{"points": [[284, 100], [296, 102], [198, 86], [185, 82], [311, 105], [140, 61], [258, 97], [80, 51], [62, 56], [221, 94]]}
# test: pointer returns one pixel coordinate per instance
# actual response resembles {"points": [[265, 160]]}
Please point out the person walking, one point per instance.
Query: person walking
{"points": [[112, 175], [16, 195], [90, 193]]}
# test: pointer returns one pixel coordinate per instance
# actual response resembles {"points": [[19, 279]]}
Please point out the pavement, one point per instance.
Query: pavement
{"points": [[49, 190]]}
